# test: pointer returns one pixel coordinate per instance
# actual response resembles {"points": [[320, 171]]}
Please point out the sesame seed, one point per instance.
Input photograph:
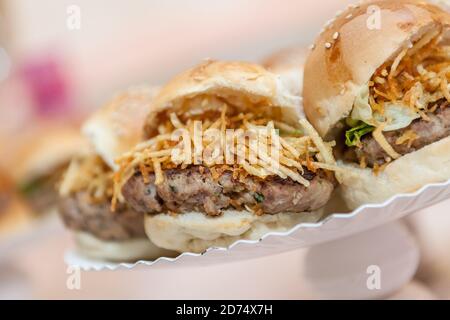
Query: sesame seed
{"points": [[349, 16], [336, 35], [328, 45], [312, 47]]}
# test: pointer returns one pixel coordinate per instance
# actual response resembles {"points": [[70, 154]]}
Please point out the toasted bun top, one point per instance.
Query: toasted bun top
{"points": [[238, 83], [289, 63], [117, 127], [44, 150], [286, 59], [354, 46]]}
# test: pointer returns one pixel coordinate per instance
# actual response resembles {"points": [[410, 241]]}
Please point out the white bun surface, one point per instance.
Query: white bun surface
{"points": [[196, 232], [130, 250]]}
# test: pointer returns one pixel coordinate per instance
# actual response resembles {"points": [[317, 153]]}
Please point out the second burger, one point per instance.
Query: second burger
{"points": [[227, 157]]}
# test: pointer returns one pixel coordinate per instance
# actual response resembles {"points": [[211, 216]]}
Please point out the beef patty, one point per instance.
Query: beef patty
{"points": [[427, 131], [80, 214], [186, 190]]}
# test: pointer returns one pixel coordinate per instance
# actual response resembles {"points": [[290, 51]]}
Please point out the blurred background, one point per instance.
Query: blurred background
{"points": [[62, 59]]}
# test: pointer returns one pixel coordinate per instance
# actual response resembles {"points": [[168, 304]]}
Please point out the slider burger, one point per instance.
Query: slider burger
{"points": [[38, 161], [226, 158], [87, 187], [382, 92]]}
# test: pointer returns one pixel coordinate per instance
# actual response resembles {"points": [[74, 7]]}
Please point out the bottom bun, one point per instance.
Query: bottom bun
{"points": [[196, 232], [407, 174], [124, 251]]}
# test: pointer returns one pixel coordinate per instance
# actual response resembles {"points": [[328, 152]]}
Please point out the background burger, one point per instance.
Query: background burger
{"points": [[37, 162], [15, 216], [197, 203], [87, 187], [289, 64], [383, 94]]}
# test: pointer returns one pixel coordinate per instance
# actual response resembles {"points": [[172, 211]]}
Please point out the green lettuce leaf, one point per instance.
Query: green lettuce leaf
{"points": [[354, 135]]}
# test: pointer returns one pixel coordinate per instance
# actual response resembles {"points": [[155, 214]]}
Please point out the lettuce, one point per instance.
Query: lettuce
{"points": [[396, 115], [354, 135], [31, 187], [361, 108]]}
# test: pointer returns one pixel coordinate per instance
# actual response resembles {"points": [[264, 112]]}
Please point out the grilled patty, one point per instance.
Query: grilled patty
{"points": [[80, 214], [186, 190], [435, 129]]}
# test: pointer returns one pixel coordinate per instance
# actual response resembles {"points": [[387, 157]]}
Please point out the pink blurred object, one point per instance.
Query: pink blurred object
{"points": [[48, 84]]}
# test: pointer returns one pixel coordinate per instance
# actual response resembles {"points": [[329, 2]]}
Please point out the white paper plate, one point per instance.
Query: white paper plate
{"points": [[335, 226]]}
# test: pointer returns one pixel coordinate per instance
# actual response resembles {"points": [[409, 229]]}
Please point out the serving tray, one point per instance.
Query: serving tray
{"points": [[334, 226]]}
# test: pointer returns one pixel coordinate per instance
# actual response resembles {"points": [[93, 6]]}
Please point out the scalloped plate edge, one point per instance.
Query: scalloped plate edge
{"points": [[72, 258]]}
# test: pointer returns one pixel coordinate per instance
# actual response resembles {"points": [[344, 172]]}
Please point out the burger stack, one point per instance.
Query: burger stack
{"points": [[223, 152]]}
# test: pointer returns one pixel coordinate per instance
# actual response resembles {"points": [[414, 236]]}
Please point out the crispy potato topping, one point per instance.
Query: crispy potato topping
{"points": [[88, 174], [417, 79], [283, 153]]}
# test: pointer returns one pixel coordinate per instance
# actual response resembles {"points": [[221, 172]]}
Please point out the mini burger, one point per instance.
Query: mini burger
{"points": [[226, 157], [87, 187], [38, 161], [377, 82]]}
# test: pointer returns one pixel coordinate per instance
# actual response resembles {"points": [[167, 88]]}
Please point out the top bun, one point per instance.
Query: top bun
{"points": [[240, 84], [286, 59], [117, 127], [289, 63], [43, 150], [353, 46]]}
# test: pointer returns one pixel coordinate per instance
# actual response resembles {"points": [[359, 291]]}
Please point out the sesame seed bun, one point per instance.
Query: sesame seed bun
{"points": [[349, 51], [344, 59]]}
